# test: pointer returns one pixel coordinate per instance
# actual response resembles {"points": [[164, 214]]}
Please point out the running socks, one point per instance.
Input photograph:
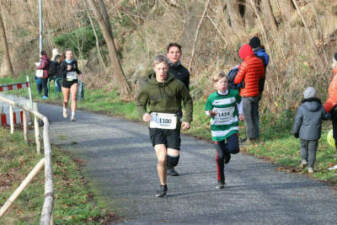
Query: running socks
{"points": [[172, 161], [73, 116], [65, 112]]}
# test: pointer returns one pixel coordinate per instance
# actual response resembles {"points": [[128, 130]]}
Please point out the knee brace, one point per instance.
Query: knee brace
{"points": [[172, 161]]}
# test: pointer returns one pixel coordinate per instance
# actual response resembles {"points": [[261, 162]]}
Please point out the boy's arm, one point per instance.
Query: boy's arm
{"points": [[142, 99], [209, 107], [297, 123], [188, 104], [325, 115]]}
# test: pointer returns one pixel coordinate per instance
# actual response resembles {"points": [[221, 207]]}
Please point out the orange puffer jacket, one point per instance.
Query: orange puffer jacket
{"points": [[331, 102], [251, 71]]}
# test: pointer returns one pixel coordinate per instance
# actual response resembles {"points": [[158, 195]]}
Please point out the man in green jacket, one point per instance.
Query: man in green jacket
{"points": [[159, 102]]}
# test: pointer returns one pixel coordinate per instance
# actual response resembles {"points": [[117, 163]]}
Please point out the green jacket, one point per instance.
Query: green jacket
{"points": [[166, 97]]}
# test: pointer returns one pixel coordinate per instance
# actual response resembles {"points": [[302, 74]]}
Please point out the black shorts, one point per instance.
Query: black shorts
{"points": [[170, 138], [68, 84]]}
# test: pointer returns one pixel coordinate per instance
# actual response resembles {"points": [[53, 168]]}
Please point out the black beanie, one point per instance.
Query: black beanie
{"points": [[335, 56], [255, 42]]}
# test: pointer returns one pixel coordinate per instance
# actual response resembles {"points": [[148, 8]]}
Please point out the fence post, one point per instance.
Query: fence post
{"points": [[48, 205], [25, 130], [11, 118], [22, 186], [37, 130]]}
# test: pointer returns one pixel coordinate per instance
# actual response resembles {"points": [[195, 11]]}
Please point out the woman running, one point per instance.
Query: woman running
{"points": [[159, 102], [70, 74]]}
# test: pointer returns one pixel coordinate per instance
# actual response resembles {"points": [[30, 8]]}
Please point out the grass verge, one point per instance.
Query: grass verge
{"points": [[74, 201], [276, 143]]}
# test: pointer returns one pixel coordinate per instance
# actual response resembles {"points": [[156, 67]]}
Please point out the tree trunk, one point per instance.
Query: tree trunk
{"points": [[287, 8], [234, 15], [6, 68], [250, 18], [268, 14], [103, 22]]}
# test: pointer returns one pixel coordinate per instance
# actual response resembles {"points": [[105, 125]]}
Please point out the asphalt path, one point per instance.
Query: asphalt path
{"points": [[121, 164]]}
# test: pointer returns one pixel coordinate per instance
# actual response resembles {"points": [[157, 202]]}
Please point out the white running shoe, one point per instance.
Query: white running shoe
{"points": [[73, 118], [333, 167], [303, 164], [65, 113], [310, 170]]}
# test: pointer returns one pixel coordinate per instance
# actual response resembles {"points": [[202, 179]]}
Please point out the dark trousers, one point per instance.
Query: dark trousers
{"points": [[308, 151], [334, 123], [223, 153], [250, 107], [42, 83]]}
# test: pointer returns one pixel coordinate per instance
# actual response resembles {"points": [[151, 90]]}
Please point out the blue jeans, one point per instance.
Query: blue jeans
{"points": [[41, 83]]}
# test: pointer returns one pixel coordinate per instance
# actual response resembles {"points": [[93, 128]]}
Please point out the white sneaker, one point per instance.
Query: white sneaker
{"points": [[333, 167], [303, 164], [310, 170], [73, 118], [65, 113]]}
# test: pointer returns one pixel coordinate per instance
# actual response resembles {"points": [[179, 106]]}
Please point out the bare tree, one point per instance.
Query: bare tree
{"points": [[234, 15], [268, 14], [287, 8], [103, 22], [6, 68]]}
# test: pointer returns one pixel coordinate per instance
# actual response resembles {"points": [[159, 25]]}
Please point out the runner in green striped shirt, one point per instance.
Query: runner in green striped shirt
{"points": [[225, 109]]}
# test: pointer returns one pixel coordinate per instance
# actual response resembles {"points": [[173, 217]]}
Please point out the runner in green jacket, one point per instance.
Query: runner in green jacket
{"points": [[159, 102]]}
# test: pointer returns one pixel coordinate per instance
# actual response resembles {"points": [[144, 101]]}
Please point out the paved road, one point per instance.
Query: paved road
{"points": [[121, 164]]}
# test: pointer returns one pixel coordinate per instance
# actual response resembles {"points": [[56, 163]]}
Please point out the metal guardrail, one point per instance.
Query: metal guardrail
{"points": [[48, 205]]}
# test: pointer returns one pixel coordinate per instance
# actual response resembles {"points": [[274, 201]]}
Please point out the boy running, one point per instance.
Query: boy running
{"points": [[225, 109]]}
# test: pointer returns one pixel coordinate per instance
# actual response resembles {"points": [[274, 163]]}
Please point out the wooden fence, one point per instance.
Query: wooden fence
{"points": [[48, 205]]}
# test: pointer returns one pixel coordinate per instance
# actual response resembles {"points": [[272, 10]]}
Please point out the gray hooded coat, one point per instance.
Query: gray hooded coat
{"points": [[308, 120]]}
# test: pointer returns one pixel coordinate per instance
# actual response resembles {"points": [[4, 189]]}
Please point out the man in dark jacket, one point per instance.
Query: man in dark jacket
{"points": [[181, 73], [307, 127], [176, 68], [260, 52]]}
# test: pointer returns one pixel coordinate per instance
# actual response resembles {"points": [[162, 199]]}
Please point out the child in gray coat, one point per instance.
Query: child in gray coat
{"points": [[307, 127]]}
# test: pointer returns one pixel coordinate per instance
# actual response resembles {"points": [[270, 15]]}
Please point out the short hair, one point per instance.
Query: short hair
{"points": [[43, 53], [160, 59], [173, 44], [219, 76]]}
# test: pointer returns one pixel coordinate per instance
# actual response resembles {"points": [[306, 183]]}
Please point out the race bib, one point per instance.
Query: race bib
{"points": [[223, 116], [71, 76], [163, 121]]}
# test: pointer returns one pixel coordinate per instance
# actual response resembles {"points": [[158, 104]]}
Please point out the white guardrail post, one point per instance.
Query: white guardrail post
{"points": [[48, 204]]}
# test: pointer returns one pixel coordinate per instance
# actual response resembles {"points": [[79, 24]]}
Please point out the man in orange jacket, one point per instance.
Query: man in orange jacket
{"points": [[251, 71], [331, 103]]}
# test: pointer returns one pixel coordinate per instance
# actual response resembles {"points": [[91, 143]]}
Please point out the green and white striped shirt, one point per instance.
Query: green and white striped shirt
{"points": [[227, 105]]}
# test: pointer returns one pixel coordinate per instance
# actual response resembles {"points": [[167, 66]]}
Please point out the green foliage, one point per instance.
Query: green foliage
{"points": [[81, 40], [74, 203]]}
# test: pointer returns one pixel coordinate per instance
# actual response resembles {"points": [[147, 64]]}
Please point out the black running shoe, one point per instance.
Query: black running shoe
{"points": [[172, 172], [162, 192], [220, 185]]}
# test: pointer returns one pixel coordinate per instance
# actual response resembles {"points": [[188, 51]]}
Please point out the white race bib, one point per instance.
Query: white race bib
{"points": [[223, 115], [163, 121], [39, 73], [71, 76]]}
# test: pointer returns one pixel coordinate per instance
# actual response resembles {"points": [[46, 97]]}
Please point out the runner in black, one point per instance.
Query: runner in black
{"points": [[70, 73], [181, 73], [159, 101]]}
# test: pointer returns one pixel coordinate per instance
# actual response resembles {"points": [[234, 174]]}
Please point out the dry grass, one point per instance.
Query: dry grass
{"points": [[144, 28]]}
